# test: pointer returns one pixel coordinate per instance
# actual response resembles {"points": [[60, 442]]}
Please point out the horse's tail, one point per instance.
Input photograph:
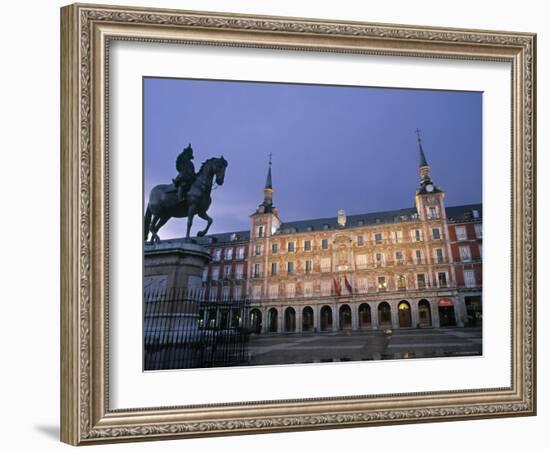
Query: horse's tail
{"points": [[147, 223]]}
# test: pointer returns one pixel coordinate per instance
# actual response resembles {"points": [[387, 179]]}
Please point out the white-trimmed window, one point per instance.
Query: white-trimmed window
{"points": [[461, 233], [215, 273], [217, 255], [433, 212], [397, 236], [479, 230], [309, 266], [307, 245], [260, 231], [274, 248], [436, 233], [382, 284], [418, 256], [227, 271], [421, 280], [274, 268], [258, 250], [439, 256], [324, 244], [401, 282], [257, 270], [239, 271], [362, 284], [291, 246], [237, 291], [213, 295], [379, 259], [360, 240], [290, 266], [416, 235], [465, 253], [228, 253], [469, 278], [240, 252], [442, 279], [361, 261], [225, 293], [399, 258], [378, 237], [205, 274]]}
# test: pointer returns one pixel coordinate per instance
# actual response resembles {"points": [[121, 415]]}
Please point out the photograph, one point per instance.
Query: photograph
{"points": [[288, 223]]}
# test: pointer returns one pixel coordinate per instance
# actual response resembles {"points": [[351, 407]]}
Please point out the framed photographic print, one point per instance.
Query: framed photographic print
{"points": [[280, 224]]}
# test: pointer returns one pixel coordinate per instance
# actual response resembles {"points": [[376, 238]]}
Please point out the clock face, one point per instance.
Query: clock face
{"points": [[430, 188]]}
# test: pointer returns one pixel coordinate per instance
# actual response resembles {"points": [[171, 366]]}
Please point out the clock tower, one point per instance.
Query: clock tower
{"points": [[429, 197]]}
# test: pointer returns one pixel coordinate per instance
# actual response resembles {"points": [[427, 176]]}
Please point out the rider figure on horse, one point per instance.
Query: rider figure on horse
{"points": [[186, 172]]}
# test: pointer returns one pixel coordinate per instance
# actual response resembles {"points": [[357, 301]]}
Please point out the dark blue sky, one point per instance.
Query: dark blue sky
{"points": [[333, 146]]}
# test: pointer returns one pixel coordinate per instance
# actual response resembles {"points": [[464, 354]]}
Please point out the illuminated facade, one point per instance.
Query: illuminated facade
{"points": [[414, 267]]}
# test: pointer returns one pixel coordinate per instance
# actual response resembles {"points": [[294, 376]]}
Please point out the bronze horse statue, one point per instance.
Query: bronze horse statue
{"points": [[164, 204]]}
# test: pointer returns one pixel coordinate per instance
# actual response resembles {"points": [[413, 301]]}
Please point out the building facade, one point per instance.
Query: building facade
{"points": [[406, 268]]}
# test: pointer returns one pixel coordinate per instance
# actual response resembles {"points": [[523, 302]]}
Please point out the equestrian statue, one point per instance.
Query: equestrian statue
{"points": [[187, 196]]}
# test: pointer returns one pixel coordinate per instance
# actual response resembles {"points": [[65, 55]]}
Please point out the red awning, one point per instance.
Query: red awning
{"points": [[445, 302]]}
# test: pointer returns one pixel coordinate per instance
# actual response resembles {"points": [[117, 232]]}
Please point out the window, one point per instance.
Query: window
{"points": [[256, 270], [290, 290], [225, 293], [436, 234], [378, 238], [479, 230], [215, 273], [274, 248], [418, 256], [361, 261], [260, 232], [290, 267], [378, 258], [325, 264], [308, 289], [324, 244], [227, 271], [326, 226], [240, 252], [397, 236], [307, 245], [309, 266], [461, 233], [362, 285], [273, 290], [239, 271], [417, 235], [217, 254], [213, 294], [475, 213], [401, 282], [433, 212], [274, 268], [439, 255], [205, 274], [421, 280], [382, 286], [290, 247], [237, 291], [442, 279], [258, 250], [469, 278], [360, 240], [480, 250], [228, 253], [399, 257], [465, 254]]}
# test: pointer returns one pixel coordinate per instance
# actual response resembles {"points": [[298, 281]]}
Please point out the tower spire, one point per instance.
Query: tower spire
{"points": [[268, 183], [424, 168], [267, 203]]}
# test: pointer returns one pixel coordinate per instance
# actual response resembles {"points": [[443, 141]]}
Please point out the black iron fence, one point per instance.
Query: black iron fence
{"points": [[183, 329]]}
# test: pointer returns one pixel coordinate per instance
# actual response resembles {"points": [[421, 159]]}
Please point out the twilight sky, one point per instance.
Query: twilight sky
{"points": [[333, 147]]}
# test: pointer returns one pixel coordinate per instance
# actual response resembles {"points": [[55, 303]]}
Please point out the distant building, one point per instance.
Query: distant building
{"points": [[413, 267]]}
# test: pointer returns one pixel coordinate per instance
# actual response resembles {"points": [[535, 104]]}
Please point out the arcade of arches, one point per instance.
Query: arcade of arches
{"points": [[437, 312]]}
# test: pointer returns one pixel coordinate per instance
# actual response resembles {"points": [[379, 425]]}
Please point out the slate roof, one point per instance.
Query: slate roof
{"points": [[454, 213]]}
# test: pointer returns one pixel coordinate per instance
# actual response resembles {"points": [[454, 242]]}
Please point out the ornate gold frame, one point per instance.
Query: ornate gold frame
{"points": [[86, 31]]}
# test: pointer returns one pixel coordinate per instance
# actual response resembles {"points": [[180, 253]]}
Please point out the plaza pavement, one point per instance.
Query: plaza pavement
{"points": [[342, 346]]}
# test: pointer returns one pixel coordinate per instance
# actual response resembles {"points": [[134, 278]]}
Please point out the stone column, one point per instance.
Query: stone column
{"points": [[316, 318], [414, 313], [354, 316], [394, 315], [299, 319], [435, 312], [335, 318], [281, 320], [460, 310], [374, 315]]}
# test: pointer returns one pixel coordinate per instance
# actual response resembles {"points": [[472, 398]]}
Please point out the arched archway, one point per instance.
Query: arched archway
{"points": [[344, 317], [255, 321], [424, 313], [384, 314], [365, 319], [307, 319], [272, 318], [290, 320], [404, 314], [326, 318]]}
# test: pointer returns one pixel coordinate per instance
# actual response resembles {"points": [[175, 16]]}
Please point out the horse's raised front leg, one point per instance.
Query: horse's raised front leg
{"points": [[206, 217]]}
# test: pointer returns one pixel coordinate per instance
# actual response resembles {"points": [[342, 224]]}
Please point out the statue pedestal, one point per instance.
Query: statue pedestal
{"points": [[173, 296]]}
